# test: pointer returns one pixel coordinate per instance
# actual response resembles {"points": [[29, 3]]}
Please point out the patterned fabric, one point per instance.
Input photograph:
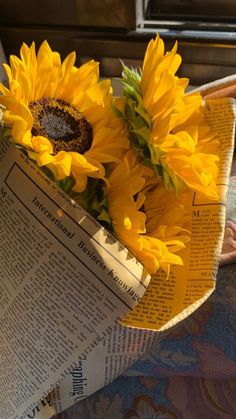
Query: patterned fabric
{"points": [[160, 398], [229, 245], [190, 372]]}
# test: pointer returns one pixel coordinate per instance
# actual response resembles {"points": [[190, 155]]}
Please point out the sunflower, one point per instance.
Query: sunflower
{"points": [[126, 203], [62, 115], [168, 216], [164, 123]]}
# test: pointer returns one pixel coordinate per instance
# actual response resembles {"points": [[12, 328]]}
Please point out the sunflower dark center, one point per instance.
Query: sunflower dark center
{"points": [[62, 124]]}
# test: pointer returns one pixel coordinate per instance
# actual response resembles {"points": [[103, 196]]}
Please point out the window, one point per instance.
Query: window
{"points": [[201, 19]]}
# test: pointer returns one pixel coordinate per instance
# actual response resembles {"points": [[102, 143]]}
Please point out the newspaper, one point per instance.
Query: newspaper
{"points": [[67, 286], [191, 284], [166, 302], [64, 282]]}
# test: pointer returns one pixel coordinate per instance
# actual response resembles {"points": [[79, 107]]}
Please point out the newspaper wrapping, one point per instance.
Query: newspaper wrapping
{"points": [[69, 290], [186, 289], [64, 282]]}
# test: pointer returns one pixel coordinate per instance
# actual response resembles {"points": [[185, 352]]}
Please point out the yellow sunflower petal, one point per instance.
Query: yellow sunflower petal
{"points": [[18, 108], [80, 182], [68, 64], [4, 90], [198, 171], [60, 164], [82, 164], [42, 145]]}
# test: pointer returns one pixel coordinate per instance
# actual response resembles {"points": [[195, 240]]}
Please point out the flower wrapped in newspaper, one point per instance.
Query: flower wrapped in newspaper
{"points": [[62, 117], [175, 135], [151, 167], [117, 158]]}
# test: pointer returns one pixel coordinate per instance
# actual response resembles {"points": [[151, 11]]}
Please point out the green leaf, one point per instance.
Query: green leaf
{"points": [[143, 113], [66, 184], [143, 132], [104, 216]]}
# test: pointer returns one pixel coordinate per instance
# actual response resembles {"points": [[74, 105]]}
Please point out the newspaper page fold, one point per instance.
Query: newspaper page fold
{"points": [[64, 281]]}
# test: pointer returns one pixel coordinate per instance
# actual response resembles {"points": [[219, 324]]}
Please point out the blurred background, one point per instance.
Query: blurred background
{"points": [[109, 30]]}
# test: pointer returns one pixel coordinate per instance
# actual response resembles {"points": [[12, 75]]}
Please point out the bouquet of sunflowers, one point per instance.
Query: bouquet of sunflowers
{"points": [[145, 166], [129, 161]]}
